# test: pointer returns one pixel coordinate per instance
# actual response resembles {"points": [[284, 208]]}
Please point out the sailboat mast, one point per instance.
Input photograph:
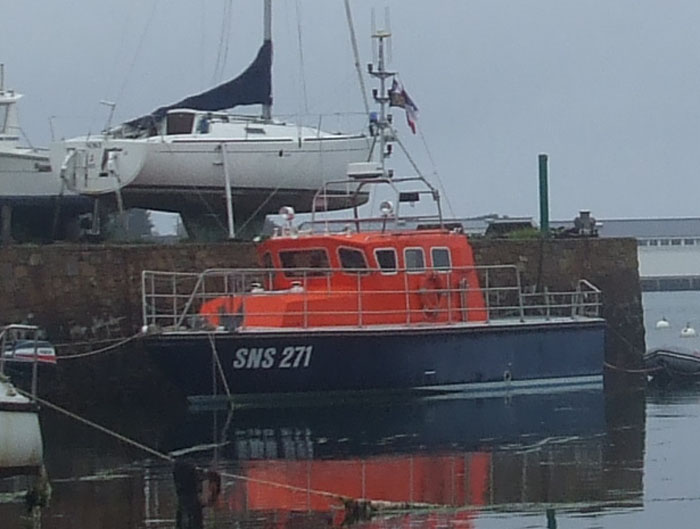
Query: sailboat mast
{"points": [[267, 36]]}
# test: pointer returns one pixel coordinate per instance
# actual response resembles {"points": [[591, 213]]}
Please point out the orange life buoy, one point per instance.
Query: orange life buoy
{"points": [[432, 293]]}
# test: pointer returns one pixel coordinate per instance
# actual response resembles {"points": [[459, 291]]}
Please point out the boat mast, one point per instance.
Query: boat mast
{"points": [[267, 36], [380, 96], [383, 122]]}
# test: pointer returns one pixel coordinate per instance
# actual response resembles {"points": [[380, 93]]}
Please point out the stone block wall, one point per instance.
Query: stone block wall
{"points": [[89, 291], [610, 264]]}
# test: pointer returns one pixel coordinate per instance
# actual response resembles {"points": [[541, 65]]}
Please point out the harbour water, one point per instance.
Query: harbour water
{"points": [[619, 457]]}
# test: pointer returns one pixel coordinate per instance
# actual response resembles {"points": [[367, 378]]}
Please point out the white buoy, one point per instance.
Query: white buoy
{"points": [[688, 331], [663, 323]]}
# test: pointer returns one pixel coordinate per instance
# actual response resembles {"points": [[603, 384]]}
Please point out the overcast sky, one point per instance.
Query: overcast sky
{"points": [[610, 90]]}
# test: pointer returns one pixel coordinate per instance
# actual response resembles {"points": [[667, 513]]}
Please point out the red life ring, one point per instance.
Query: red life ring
{"points": [[432, 293]]}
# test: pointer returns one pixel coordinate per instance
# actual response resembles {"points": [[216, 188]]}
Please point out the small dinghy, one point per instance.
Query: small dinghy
{"points": [[672, 362]]}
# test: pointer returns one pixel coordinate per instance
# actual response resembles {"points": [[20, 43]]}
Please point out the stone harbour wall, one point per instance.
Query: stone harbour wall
{"points": [[88, 293]]}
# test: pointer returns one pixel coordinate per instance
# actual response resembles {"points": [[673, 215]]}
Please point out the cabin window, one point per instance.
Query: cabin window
{"points": [[441, 258], [352, 260], [653, 242], [309, 263], [675, 242], [665, 242], [414, 259], [180, 123], [642, 242], [689, 242], [386, 259]]}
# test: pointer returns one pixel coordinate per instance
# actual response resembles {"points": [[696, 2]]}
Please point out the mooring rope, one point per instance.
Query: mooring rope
{"points": [[633, 350], [219, 367], [85, 342], [92, 424], [634, 371], [171, 459], [346, 500], [102, 350]]}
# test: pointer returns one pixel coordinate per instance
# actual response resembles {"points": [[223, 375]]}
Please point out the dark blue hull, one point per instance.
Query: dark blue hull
{"points": [[480, 357]]}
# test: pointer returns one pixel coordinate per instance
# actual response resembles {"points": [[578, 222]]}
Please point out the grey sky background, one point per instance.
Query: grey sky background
{"points": [[610, 90]]}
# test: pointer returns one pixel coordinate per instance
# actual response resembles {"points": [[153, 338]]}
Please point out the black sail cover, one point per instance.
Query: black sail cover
{"points": [[252, 87]]}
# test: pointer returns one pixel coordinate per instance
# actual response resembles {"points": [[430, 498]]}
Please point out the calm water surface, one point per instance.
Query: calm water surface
{"points": [[585, 459]]}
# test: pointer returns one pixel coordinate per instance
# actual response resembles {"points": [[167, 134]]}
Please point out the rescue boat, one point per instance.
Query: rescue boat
{"points": [[403, 310], [390, 303]]}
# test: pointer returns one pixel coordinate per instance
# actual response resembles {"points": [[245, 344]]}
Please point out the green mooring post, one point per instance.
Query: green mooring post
{"points": [[544, 196]]}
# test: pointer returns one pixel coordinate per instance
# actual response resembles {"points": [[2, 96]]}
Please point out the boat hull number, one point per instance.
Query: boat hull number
{"points": [[290, 357]]}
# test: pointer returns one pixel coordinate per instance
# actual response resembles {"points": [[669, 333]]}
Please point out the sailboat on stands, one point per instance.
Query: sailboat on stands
{"points": [[212, 167]]}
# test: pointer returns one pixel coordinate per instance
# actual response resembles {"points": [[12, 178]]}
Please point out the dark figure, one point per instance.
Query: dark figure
{"points": [[187, 488], [190, 497]]}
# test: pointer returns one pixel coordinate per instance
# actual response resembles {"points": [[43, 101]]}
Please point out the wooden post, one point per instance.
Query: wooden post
{"points": [[187, 488], [544, 195]]}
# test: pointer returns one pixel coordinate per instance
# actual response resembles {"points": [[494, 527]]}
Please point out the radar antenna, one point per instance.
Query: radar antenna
{"points": [[389, 46]]}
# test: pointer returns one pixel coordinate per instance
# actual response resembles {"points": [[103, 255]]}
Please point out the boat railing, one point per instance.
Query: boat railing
{"points": [[174, 301], [352, 190], [378, 223], [13, 333]]}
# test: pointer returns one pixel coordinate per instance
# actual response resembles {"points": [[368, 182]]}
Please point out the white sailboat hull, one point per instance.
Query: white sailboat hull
{"points": [[268, 164], [279, 165], [108, 165]]}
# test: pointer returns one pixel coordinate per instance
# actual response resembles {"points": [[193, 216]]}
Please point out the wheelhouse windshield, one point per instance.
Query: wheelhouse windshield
{"points": [[311, 263]]}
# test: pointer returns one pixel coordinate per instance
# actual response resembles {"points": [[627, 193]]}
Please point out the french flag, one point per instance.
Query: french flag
{"points": [[398, 97]]}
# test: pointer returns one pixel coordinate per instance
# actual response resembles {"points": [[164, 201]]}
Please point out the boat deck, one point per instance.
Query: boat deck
{"points": [[417, 327]]}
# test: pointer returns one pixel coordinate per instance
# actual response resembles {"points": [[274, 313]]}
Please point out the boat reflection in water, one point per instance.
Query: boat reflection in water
{"points": [[569, 450]]}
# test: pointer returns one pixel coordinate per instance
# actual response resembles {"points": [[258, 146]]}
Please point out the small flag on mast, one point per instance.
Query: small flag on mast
{"points": [[398, 97]]}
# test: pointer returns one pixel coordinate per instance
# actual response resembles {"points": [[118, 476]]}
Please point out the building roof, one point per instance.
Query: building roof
{"points": [[643, 228], [649, 228]]}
